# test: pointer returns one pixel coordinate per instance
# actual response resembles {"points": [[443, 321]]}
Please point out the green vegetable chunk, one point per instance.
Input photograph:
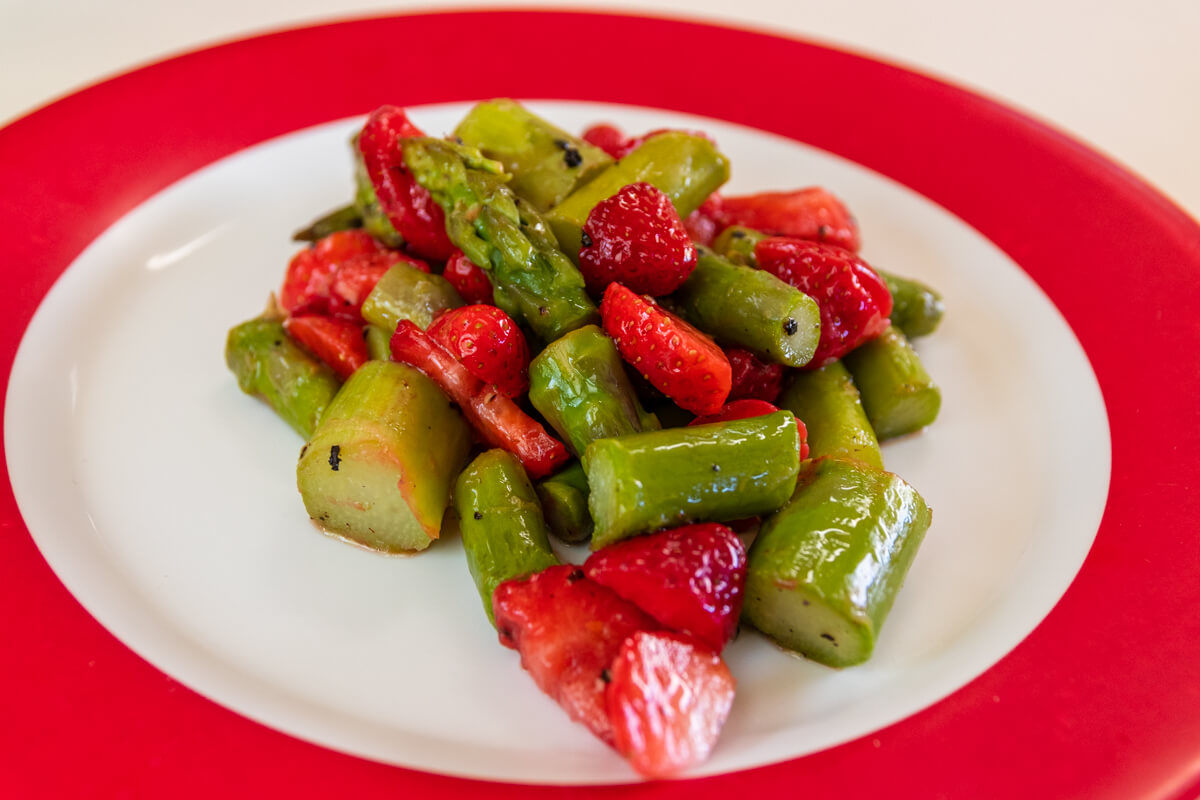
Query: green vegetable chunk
{"points": [[378, 470], [503, 532], [546, 162], [897, 393], [578, 383], [916, 308], [718, 472], [532, 280], [824, 570], [341, 219], [752, 309], [737, 244], [271, 366], [827, 401], [406, 292], [564, 497], [379, 343], [686, 168]]}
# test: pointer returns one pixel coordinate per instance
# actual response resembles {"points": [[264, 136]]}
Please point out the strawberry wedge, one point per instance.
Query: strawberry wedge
{"points": [[497, 418]]}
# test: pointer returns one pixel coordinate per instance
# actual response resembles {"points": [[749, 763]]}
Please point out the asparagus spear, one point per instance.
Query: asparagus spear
{"points": [[564, 497], [546, 162], [718, 472], [752, 309], [823, 572], [897, 393], [405, 292], [828, 403], [578, 383], [916, 308], [379, 345], [340, 219], [268, 364], [503, 531], [687, 168], [533, 281], [379, 468]]}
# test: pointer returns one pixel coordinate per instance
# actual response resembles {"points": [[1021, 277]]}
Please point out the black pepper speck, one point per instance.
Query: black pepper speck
{"points": [[585, 240], [790, 326], [335, 457]]}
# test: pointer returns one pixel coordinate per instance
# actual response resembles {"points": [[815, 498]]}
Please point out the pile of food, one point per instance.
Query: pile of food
{"points": [[579, 337]]}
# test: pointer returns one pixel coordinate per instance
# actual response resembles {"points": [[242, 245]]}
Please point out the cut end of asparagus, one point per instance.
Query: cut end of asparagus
{"points": [[799, 620]]}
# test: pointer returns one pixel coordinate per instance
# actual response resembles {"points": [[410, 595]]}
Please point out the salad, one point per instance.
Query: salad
{"points": [[579, 337]]}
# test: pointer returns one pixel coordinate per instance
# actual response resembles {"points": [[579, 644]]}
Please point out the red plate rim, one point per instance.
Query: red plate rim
{"points": [[1100, 701]]}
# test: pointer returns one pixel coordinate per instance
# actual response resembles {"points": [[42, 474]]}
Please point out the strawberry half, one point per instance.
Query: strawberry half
{"points": [[469, 280], [569, 631], [853, 300], [811, 213], [306, 282], [689, 579], [677, 359], [337, 342], [636, 238], [668, 699], [753, 378], [488, 343]]}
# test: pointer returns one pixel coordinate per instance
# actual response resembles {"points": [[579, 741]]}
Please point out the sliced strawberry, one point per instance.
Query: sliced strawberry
{"points": [[747, 408], [569, 632], [294, 295], [488, 343], [668, 699], [636, 238], [753, 378], [811, 213], [341, 245], [853, 300], [678, 360], [689, 579], [469, 280], [607, 137], [409, 207], [355, 277], [337, 342], [704, 223], [495, 417]]}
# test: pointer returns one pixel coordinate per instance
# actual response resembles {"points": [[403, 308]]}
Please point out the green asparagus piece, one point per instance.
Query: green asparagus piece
{"points": [[578, 383], [532, 279], [503, 531], [752, 309], [897, 393], [686, 168], [379, 343], [270, 365], [827, 401], [341, 219], [564, 497], [546, 162], [718, 472], [406, 292], [823, 572], [379, 469], [374, 221], [916, 308]]}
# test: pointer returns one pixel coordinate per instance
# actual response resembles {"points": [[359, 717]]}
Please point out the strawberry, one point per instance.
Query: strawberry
{"points": [[469, 280], [488, 343], [678, 360], [704, 223], [752, 377], [607, 137], [568, 631], [667, 701], [747, 408], [343, 244], [306, 283], [409, 206], [636, 237], [853, 300], [337, 342], [353, 278], [811, 213], [689, 579]]}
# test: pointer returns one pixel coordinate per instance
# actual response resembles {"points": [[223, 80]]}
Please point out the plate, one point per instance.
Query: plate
{"points": [[170, 551]]}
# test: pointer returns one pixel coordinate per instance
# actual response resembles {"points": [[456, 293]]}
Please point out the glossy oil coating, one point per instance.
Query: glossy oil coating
{"points": [[824, 571], [717, 472], [503, 531]]}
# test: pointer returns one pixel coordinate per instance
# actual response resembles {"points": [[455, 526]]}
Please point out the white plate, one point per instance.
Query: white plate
{"points": [[165, 499]]}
